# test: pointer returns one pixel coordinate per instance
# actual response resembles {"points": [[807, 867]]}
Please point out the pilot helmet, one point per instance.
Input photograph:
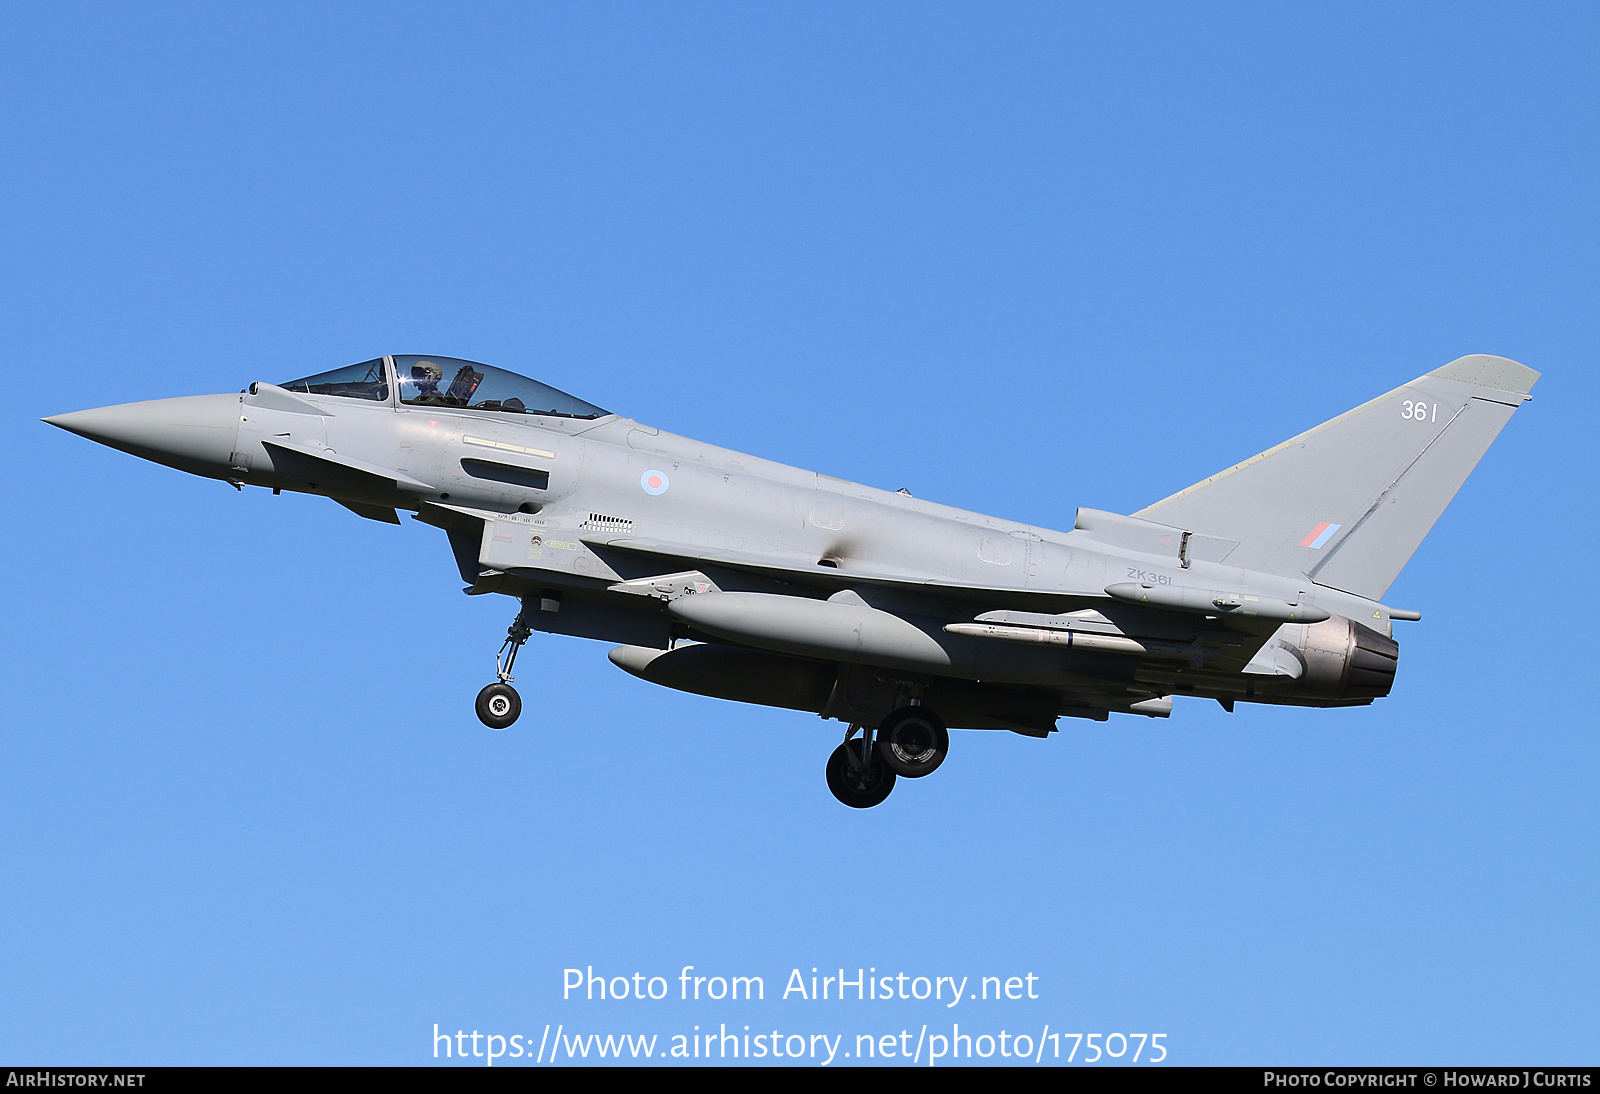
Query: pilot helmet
{"points": [[426, 370]]}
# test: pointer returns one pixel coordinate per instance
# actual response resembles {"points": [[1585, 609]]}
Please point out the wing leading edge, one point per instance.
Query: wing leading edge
{"points": [[833, 580]]}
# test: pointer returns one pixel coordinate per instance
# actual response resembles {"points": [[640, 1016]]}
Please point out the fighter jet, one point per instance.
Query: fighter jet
{"points": [[728, 575]]}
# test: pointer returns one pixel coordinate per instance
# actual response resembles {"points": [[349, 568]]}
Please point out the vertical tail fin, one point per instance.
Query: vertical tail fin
{"points": [[1348, 503]]}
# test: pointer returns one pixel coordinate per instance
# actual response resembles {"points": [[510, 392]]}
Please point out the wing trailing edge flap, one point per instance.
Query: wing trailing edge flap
{"points": [[797, 570]]}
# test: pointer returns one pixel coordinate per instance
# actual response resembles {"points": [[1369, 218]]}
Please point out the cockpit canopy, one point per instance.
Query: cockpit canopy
{"points": [[363, 381], [447, 382]]}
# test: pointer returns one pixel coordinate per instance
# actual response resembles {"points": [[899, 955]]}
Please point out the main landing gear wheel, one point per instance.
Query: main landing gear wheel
{"points": [[857, 784], [498, 705], [913, 742]]}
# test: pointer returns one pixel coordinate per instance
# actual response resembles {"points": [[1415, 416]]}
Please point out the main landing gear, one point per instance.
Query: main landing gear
{"points": [[499, 704], [857, 775], [911, 742]]}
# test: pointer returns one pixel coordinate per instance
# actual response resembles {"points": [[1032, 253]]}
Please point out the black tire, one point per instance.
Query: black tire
{"points": [[913, 742], [498, 705], [858, 788]]}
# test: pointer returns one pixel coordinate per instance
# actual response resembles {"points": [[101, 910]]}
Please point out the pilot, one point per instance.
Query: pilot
{"points": [[426, 376]]}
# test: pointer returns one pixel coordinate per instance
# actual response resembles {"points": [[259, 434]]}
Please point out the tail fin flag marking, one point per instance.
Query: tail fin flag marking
{"points": [[1320, 535]]}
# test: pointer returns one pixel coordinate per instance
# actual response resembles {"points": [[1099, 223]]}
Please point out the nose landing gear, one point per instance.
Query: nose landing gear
{"points": [[499, 705]]}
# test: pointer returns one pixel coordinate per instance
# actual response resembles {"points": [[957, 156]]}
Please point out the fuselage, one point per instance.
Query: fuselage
{"points": [[728, 575], [572, 507]]}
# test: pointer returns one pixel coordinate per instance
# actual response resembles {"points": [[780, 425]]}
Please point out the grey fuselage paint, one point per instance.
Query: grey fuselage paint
{"points": [[609, 524]]}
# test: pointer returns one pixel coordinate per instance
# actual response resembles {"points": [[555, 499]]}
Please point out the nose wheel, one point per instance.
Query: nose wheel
{"points": [[499, 705]]}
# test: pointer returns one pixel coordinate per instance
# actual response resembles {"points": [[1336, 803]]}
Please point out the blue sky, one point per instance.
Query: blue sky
{"points": [[1015, 258]]}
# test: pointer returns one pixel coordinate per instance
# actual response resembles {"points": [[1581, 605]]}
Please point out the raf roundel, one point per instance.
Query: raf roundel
{"points": [[654, 482]]}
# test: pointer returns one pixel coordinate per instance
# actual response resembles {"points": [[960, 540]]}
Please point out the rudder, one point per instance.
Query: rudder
{"points": [[1349, 502]]}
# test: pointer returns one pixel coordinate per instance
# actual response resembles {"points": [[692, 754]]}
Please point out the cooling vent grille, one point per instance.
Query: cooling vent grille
{"points": [[599, 522]]}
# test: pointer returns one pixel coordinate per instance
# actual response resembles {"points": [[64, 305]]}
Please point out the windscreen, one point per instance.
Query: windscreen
{"points": [[448, 381], [363, 381]]}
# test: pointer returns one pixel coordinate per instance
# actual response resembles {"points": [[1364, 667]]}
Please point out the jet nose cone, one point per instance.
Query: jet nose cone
{"points": [[195, 433]]}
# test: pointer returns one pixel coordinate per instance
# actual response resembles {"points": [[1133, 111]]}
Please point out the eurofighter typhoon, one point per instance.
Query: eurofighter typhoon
{"points": [[731, 576]]}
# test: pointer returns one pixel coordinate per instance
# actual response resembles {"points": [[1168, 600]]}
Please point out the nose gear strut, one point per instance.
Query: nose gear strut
{"points": [[516, 634], [498, 705]]}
